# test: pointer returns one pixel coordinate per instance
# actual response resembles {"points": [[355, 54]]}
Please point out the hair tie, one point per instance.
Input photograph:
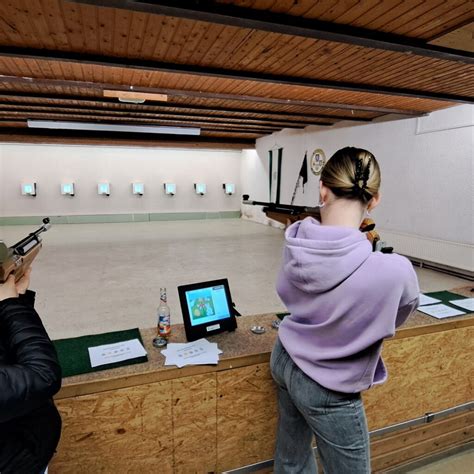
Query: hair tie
{"points": [[361, 178]]}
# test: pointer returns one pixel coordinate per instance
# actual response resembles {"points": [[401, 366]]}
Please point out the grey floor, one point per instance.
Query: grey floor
{"points": [[93, 278], [461, 462]]}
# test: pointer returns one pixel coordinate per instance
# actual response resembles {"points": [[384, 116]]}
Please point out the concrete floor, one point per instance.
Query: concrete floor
{"points": [[93, 278], [459, 462]]}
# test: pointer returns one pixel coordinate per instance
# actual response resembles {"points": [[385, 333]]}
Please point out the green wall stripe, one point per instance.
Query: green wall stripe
{"points": [[115, 218], [229, 214]]}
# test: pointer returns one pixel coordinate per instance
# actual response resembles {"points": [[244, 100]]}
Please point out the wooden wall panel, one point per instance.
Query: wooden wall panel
{"points": [[247, 414], [426, 373], [121, 431], [383, 445], [413, 452], [194, 424]]}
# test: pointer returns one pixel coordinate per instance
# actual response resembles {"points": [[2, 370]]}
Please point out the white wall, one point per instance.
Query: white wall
{"points": [[427, 171], [49, 165], [254, 179]]}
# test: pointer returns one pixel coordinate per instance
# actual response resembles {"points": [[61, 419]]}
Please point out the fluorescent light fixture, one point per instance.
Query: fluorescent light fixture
{"points": [[138, 189], [28, 189], [229, 188], [170, 188], [67, 189], [109, 127], [200, 188], [131, 101], [103, 188], [135, 97]]}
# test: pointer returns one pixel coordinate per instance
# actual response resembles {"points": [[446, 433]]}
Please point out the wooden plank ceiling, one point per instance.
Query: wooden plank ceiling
{"points": [[236, 69]]}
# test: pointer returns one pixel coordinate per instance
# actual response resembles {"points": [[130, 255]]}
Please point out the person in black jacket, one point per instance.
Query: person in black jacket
{"points": [[30, 375]]}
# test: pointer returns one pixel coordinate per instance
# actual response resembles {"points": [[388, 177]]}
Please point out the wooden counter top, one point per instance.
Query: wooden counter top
{"points": [[240, 348]]}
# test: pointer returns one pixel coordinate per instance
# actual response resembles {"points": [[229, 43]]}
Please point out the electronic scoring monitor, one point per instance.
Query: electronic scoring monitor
{"points": [[207, 308]]}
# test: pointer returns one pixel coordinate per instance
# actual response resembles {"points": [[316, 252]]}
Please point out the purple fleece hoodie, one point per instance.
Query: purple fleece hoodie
{"points": [[344, 300]]}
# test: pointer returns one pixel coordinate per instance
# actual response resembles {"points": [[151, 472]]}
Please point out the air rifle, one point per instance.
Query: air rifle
{"points": [[286, 214], [17, 258], [298, 212]]}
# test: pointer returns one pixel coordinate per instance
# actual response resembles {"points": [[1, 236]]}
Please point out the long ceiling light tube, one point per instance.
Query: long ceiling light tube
{"points": [[105, 127]]}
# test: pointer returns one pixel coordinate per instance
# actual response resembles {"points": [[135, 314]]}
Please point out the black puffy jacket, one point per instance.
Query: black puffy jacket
{"points": [[29, 376]]}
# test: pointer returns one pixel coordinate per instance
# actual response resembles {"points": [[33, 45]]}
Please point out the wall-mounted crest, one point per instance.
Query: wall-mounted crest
{"points": [[317, 162]]}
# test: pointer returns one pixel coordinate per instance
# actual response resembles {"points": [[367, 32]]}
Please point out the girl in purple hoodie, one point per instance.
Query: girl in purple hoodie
{"points": [[344, 300]]}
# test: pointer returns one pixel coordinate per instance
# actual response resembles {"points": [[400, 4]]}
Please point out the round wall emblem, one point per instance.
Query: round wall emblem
{"points": [[317, 162]]}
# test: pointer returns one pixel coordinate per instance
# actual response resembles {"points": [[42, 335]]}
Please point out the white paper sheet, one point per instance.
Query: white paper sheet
{"points": [[440, 311], [117, 352], [427, 300], [466, 303], [193, 353]]}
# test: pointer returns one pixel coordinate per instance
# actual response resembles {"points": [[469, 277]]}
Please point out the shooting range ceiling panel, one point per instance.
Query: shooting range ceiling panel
{"points": [[236, 69]]}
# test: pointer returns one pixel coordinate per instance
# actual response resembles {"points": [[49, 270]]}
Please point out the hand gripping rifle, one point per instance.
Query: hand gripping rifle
{"points": [[287, 214], [17, 258]]}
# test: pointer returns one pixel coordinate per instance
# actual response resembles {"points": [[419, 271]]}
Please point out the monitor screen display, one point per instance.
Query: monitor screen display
{"points": [[206, 305]]}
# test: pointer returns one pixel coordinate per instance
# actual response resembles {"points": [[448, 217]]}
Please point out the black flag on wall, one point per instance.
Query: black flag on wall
{"points": [[304, 170], [302, 176]]}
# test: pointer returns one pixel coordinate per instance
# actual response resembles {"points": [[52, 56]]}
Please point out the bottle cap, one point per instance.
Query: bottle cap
{"points": [[163, 294]]}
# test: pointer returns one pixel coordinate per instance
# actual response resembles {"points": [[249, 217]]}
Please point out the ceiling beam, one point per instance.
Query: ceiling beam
{"points": [[265, 20], [99, 87], [120, 112], [189, 69], [14, 97], [9, 115], [116, 139]]}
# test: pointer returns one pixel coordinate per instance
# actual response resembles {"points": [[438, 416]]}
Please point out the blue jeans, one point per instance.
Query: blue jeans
{"points": [[306, 408]]}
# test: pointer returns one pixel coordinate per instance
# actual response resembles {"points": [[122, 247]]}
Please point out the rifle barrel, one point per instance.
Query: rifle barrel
{"points": [[32, 239], [286, 208]]}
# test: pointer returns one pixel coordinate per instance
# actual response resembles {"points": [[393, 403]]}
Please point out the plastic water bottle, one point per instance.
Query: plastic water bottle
{"points": [[164, 317]]}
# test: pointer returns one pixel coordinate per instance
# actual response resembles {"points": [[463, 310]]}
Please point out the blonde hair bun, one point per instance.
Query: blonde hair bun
{"points": [[352, 173]]}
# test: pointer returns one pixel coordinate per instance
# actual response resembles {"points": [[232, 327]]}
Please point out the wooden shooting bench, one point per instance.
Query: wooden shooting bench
{"points": [[149, 418]]}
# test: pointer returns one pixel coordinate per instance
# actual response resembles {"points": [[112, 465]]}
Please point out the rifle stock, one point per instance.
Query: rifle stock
{"points": [[17, 258], [284, 213]]}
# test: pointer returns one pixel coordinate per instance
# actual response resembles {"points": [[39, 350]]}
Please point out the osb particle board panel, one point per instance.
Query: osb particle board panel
{"points": [[427, 373], [194, 424], [169, 426], [227, 419], [247, 414], [126, 430]]}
